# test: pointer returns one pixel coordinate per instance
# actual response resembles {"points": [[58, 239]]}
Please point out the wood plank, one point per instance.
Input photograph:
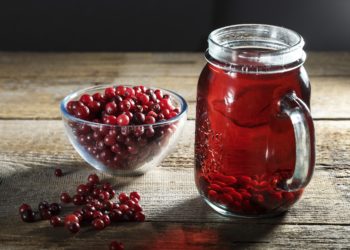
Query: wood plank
{"points": [[59, 65], [31, 150], [39, 98], [155, 235]]}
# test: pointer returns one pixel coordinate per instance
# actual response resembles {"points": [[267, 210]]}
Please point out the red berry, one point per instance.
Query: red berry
{"points": [[83, 189], [111, 108], [150, 120], [70, 218], [78, 199], [139, 216], [56, 221], [23, 208], [98, 224], [135, 195], [58, 172], [110, 119], [114, 245], [123, 120], [86, 99], [73, 227], [65, 198], [82, 112], [110, 92], [143, 98], [28, 215], [120, 90], [123, 197], [106, 219], [93, 179], [104, 196]]}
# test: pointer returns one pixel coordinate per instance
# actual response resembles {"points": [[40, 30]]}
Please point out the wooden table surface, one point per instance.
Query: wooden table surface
{"points": [[33, 144]]}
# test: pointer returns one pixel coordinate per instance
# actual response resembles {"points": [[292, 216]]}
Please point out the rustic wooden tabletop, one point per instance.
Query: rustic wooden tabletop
{"points": [[33, 144]]}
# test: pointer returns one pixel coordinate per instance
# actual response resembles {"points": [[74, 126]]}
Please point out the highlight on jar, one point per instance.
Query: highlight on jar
{"points": [[123, 130], [254, 142]]}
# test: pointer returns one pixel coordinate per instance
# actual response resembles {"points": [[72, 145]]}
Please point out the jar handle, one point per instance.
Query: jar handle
{"points": [[303, 126]]}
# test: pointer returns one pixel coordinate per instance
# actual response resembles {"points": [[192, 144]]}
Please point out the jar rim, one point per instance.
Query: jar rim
{"points": [[256, 47]]}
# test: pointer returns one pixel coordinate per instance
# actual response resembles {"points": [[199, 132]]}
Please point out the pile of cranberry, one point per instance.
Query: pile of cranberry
{"points": [[246, 195], [95, 208], [123, 147]]}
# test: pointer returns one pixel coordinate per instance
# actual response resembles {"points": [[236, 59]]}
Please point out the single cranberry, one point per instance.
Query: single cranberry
{"points": [[71, 106], [123, 120], [129, 114], [55, 208], [93, 178], [106, 219], [98, 224], [28, 215], [143, 98], [111, 108], [139, 130], [70, 218], [110, 92], [88, 215], [98, 97], [124, 208], [58, 172], [114, 245], [139, 216], [150, 120], [116, 215], [73, 227], [104, 196], [149, 132], [135, 194], [120, 90], [86, 99], [82, 112], [123, 197], [78, 199], [56, 221], [137, 207], [132, 150], [97, 214], [43, 205], [83, 189], [24, 207], [111, 192], [110, 119], [125, 105]]}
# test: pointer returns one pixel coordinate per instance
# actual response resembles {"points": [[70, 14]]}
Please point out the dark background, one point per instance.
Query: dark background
{"points": [[161, 25]]}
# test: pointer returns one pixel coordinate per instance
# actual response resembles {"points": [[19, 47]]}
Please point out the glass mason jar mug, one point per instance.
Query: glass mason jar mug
{"points": [[254, 144]]}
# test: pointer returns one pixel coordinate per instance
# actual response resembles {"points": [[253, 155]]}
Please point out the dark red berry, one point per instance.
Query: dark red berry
{"points": [[24, 207], [86, 99], [135, 195], [150, 119], [65, 198], [56, 221], [114, 245], [139, 216], [78, 199], [83, 189], [98, 224], [111, 108], [82, 112], [106, 219], [55, 208], [28, 215], [110, 92], [58, 172], [43, 205], [123, 197], [93, 178], [73, 227]]}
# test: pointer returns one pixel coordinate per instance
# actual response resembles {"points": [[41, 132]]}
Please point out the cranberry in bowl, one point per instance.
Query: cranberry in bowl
{"points": [[123, 130]]}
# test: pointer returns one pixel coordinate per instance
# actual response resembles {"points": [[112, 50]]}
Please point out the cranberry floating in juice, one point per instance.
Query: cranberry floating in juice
{"points": [[254, 146]]}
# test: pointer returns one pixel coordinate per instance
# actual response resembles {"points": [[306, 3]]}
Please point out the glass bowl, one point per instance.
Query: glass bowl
{"points": [[140, 147]]}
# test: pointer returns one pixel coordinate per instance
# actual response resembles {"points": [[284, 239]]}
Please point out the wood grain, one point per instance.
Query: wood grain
{"points": [[39, 98]]}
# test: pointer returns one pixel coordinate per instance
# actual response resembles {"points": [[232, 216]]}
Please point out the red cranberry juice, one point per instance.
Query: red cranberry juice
{"points": [[243, 146]]}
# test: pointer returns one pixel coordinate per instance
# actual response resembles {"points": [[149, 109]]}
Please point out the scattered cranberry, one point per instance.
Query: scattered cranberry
{"points": [[93, 178], [65, 198], [123, 197], [43, 205], [114, 245], [70, 219], [58, 172], [23, 208], [56, 221], [98, 224], [135, 195], [55, 208], [28, 215], [73, 227], [139, 216]]}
